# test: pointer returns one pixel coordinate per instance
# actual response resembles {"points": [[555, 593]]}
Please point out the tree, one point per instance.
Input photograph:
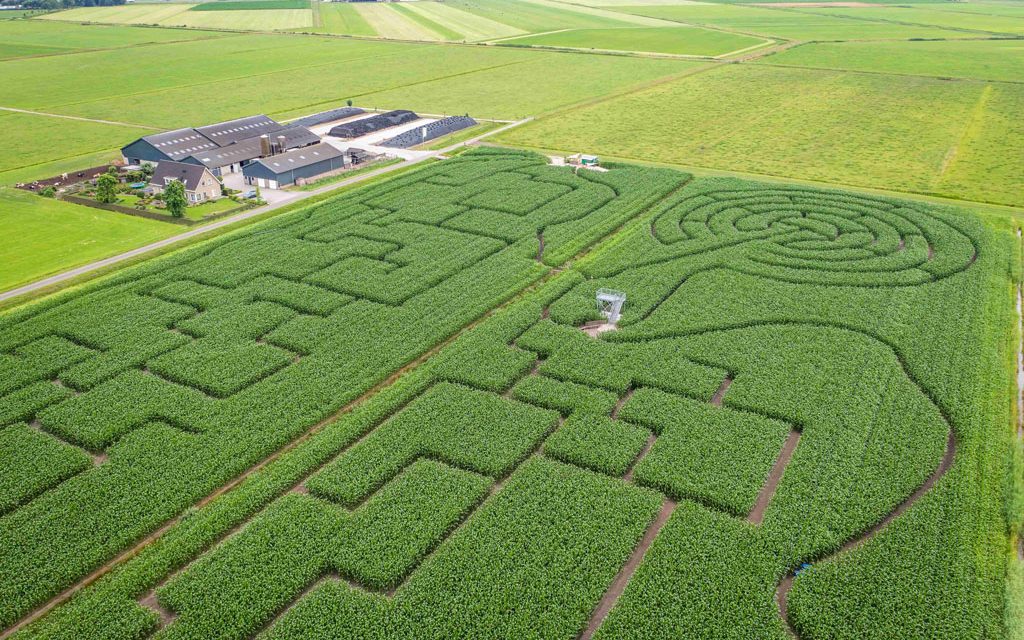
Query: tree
{"points": [[106, 188], [174, 198], [48, 192], [349, 102]]}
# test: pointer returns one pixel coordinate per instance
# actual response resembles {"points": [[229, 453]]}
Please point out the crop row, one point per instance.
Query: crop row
{"points": [[192, 368]]}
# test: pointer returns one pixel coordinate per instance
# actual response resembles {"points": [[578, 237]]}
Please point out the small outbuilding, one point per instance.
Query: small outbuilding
{"points": [[583, 160], [276, 172], [200, 183]]}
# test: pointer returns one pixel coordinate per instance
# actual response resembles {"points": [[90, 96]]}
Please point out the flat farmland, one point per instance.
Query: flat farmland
{"points": [[469, 26], [343, 18], [672, 40], [268, 75], [858, 129], [245, 20], [976, 59], [790, 23], [844, 406], [968, 21], [76, 37], [85, 235], [129, 14], [24, 135]]}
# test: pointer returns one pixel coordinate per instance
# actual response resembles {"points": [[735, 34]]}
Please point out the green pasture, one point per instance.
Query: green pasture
{"points": [[342, 18], [534, 17], [47, 236], [124, 14], [671, 40], [389, 22], [888, 132], [427, 22], [470, 26], [964, 21], [244, 20], [251, 5], [789, 23], [31, 139], [76, 37], [978, 59]]}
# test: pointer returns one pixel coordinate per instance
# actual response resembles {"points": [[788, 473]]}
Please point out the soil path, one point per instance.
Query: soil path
{"points": [[782, 591], [768, 490], [611, 596]]}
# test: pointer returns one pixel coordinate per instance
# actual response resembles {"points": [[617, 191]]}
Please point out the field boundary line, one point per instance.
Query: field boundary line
{"points": [[70, 52], [883, 21], [780, 65], [79, 118], [970, 126]]}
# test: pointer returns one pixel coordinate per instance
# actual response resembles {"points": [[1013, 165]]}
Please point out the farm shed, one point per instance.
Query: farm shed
{"points": [[435, 129], [282, 170], [366, 126], [232, 158], [179, 144], [328, 116], [200, 183]]}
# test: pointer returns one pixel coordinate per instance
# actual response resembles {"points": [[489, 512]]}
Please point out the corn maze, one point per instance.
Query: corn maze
{"points": [[787, 435]]}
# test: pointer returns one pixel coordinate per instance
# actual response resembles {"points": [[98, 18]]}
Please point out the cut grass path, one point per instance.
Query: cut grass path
{"points": [[80, 118]]}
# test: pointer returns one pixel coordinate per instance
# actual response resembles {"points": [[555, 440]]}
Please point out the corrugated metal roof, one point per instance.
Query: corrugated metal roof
{"points": [[298, 158], [231, 131], [180, 143], [250, 148]]}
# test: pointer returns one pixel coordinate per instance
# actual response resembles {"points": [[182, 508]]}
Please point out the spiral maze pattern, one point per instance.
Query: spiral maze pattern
{"points": [[817, 237]]}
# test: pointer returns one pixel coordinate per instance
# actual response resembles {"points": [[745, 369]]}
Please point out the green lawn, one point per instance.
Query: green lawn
{"points": [[979, 59], [47, 236], [192, 212], [673, 40], [858, 129], [789, 23]]}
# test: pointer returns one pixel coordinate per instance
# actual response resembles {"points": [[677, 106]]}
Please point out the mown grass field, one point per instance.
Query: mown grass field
{"points": [[266, 75], [964, 21], [858, 129], [791, 23], [977, 59], [44, 236], [498, 487], [673, 40]]}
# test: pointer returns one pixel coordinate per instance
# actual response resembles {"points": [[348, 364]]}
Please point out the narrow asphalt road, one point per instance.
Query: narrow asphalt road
{"points": [[223, 222]]}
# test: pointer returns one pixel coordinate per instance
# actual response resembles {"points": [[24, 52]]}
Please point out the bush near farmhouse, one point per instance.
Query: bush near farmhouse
{"points": [[106, 188], [174, 198]]}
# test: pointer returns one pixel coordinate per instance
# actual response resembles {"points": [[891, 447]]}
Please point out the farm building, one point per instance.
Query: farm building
{"points": [[200, 183], [328, 116], [435, 129], [232, 158], [224, 147], [372, 124], [282, 170]]}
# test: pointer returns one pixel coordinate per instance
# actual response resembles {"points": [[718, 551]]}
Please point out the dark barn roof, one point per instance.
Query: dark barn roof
{"points": [[189, 174], [249, 148], [180, 143], [369, 125]]}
